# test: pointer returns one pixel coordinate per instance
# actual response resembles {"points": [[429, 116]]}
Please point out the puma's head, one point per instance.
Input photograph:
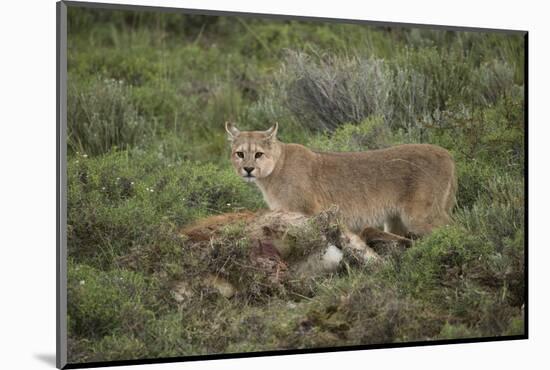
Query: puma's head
{"points": [[254, 154]]}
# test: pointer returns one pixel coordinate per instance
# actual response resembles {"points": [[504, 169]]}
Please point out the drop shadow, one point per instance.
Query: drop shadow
{"points": [[47, 358]]}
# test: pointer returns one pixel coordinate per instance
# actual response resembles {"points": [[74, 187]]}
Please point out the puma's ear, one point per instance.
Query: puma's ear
{"points": [[232, 131], [271, 133]]}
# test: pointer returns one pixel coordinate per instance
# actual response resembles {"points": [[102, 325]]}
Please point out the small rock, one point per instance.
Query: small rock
{"points": [[181, 291], [225, 288]]}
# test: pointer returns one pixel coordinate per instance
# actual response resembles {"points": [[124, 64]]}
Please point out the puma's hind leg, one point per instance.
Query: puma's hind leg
{"points": [[394, 225], [421, 223]]}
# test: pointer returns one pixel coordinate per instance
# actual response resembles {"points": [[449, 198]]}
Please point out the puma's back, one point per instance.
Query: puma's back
{"points": [[406, 188]]}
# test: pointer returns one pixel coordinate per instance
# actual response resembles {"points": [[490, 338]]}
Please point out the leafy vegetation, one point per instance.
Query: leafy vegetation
{"points": [[148, 95]]}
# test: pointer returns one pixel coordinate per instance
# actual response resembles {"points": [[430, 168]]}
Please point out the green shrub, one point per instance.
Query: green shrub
{"points": [[101, 116], [459, 331], [165, 336], [473, 176], [99, 303], [128, 199], [516, 326], [498, 212], [325, 92], [118, 347], [497, 80], [369, 134], [491, 135], [441, 256]]}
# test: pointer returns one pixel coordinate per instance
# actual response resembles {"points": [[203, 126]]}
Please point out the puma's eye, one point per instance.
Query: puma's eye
{"points": [[258, 155], [240, 154]]}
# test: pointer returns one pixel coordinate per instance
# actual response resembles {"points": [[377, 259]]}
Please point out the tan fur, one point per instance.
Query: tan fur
{"points": [[407, 188]]}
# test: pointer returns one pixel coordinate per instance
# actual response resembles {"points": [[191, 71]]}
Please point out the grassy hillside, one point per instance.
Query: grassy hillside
{"points": [[147, 98]]}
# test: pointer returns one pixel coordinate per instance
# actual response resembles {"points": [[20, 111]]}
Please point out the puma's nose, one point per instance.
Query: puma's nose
{"points": [[248, 169]]}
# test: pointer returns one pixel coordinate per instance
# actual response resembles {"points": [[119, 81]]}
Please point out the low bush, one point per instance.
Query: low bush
{"points": [[103, 302], [128, 199], [101, 116], [370, 134], [323, 92]]}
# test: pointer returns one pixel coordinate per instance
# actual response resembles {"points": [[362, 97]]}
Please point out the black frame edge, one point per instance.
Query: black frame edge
{"points": [[526, 182]]}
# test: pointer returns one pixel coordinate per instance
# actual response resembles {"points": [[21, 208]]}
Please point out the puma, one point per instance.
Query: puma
{"points": [[407, 189]]}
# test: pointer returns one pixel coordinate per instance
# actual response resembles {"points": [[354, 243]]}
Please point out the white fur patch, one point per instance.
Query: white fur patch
{"points": [[332, 257]]}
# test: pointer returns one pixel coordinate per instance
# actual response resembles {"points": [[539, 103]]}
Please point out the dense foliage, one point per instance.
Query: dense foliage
{"points": [[148, 95]]}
